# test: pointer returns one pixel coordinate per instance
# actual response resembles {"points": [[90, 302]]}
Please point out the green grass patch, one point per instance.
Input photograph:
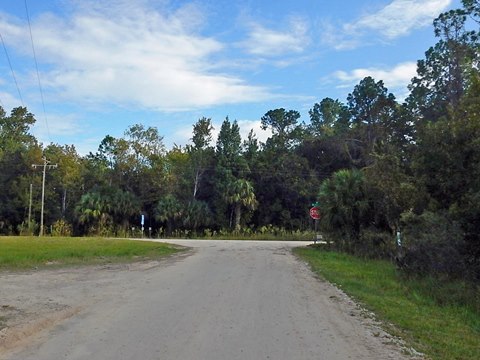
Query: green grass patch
{"points": [[440, 319], [28, 252]]}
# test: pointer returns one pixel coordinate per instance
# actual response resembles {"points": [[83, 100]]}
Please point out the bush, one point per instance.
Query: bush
{"points": [[432, 244], [375, 243], [28, 229], [61, 228]]}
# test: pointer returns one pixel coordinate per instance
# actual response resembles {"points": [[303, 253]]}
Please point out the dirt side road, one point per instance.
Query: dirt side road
{"points": [[223, 300]]}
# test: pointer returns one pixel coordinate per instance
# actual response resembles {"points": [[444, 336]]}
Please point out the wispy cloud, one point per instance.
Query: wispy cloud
{"points": [[398, 18], [395, 79], [131, 56], [266, 42]]}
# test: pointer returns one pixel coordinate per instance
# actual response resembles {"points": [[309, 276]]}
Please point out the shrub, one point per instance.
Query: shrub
{"points": [[432, 244], [61, 228]]}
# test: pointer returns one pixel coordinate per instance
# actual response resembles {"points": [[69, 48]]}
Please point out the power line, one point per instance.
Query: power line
{"points": [[11, 69], [38, 73]]}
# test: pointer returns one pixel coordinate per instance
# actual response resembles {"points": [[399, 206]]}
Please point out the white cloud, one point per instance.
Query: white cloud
{"points": [[398, 18], [8, 101], [395, 79], [131, 56], [266, 42], [88, 145], [54, 125], [255, 125]]}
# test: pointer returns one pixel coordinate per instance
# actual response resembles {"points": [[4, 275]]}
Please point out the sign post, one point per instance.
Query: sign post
{"points": [[315, 215]]}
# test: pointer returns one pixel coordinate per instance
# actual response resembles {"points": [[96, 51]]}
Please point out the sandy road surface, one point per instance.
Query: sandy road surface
{"points": [[223, 300]]}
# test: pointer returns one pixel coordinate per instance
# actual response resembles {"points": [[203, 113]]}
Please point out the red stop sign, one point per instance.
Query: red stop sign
{"points": [[315, 213]]}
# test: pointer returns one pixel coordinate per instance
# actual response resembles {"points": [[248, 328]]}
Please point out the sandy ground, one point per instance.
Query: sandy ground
{"points": [[219, 300]]}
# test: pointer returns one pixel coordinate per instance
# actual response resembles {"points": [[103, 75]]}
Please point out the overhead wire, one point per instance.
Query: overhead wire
{"points": [[13, 72], [38, 73]]}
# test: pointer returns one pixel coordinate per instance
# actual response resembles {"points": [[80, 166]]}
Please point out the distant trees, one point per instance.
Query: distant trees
{"points": [[376, 167], [18, 151]]}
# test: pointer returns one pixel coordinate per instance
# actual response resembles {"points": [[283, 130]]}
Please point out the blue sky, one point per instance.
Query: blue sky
{"points": [[106, 65]]}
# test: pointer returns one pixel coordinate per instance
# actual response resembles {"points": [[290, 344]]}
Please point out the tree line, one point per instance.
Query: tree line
{"points": [[391, 178]]}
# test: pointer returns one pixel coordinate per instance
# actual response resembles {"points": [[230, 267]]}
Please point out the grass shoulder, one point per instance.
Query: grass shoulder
{"points": [[424, 312], [17, 253]]}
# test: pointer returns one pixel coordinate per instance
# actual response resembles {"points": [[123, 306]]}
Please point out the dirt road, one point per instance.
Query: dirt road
{"points": [[223, 300]]}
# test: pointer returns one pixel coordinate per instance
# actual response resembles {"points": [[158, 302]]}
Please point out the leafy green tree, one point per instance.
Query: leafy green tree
{"points": [[329, 117], [251, 149], [201, 153], [145, 145], [14, 129], [228, 147], [230, 166], [447, 164], [472, 7], [66, 180], [135, 164], [284, 187], [442, 76], [18, 151], [371, 105], [178, 174], [392, 190], [371, 108], [284, 126]]}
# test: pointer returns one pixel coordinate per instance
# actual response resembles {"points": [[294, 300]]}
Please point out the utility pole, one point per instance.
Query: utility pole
{"points": [[45, 166]]}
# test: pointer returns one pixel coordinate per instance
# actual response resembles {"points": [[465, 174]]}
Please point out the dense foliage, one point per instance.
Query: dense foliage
{"points": [[376, 166]]}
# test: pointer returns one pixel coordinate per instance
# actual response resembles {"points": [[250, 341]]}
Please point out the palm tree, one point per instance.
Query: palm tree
{"points": [[343, 204], [197, 214], [125, 205], [168, 210], [240, 193], [93, 210]]}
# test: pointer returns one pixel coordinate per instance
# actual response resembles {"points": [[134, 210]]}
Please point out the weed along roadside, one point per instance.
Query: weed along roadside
{"points": [[413, 309], [33, 252]]}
